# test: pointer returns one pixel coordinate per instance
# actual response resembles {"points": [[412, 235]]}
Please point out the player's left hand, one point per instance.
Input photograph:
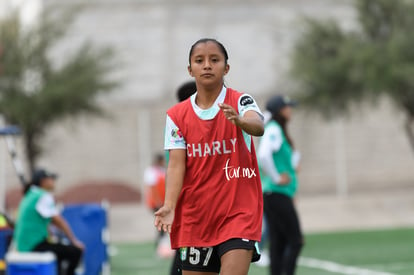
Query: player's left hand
{"points": [[230, 113]]}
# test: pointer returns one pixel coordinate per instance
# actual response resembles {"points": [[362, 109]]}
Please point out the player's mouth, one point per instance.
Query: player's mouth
{"points": [[207, 75]]}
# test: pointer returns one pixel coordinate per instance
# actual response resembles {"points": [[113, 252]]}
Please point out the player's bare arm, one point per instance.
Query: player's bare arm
{"points": [[174, 181], [251, 122], [61, 223]]}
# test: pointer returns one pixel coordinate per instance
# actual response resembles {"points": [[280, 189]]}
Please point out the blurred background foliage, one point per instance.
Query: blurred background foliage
{"points": [[35, 89], [336, 70]]}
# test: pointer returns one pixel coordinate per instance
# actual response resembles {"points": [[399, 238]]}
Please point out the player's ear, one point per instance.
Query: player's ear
{"points": [[226, 69], [189, 70]]}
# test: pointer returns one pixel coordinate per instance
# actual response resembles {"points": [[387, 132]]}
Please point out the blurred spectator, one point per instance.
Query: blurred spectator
{"points": [[36, 211], [278, 164], [154, 180]]}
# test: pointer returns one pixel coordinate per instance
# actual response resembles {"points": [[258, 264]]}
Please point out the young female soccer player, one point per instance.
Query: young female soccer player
{"points": [[213, 203]]}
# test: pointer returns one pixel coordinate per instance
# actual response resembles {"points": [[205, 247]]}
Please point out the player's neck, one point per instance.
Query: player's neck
{"points": [[206, 97]]}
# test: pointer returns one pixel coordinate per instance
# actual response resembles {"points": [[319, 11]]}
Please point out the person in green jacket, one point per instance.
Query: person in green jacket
{"points": [[278, 163], [37, 210]]}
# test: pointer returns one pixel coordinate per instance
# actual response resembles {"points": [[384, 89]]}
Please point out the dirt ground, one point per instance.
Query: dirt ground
{"points": [[133, 222]]}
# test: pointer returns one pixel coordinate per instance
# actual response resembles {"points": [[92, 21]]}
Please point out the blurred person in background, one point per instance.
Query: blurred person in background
{"points": [[154, 181], [186, 90], [214, 215], [278, 163], [263, 245], [183, 92], [37, 210]]}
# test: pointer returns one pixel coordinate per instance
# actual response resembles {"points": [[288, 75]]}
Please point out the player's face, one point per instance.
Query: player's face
{"points": [[286, 112], [48, 184], [207, 64]]}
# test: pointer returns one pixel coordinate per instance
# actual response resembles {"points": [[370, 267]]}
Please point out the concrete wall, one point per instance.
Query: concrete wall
{"points": [[152, 39]]}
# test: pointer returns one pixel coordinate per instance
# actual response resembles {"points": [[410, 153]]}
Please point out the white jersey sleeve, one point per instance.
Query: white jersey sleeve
{"points": [[46, 206], [173, 138], [270, 142], [247, 103], [296, 159]]}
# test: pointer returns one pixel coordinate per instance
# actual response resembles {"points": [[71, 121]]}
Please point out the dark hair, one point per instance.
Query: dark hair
{"points": [[26, 188], [158, 158], [37, 177], [186, 90], [282, 121], [205, 40]]}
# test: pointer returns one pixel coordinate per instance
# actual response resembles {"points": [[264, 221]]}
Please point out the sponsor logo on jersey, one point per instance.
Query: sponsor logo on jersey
{"points": [[246, 100], [216, 147], [236, 172], [176, 133]]}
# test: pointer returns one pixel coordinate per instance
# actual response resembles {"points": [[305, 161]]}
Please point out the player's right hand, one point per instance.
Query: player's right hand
{"points": [[78, 244], [284, 179], [164, 218]]}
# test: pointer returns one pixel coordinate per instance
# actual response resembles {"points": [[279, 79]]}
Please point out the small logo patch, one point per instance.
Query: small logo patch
{"points": [[176, 133], [183, 253], [246, 100]]}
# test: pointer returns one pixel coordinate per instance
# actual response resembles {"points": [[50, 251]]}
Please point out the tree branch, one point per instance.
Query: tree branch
{"points": [[409, 128]]}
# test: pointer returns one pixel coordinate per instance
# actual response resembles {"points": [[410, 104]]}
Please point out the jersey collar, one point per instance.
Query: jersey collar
{"points": [[211, 112]]}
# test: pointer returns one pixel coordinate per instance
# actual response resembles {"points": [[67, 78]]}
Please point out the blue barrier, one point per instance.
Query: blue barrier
{"points": [[5, 238], [89, 224]]}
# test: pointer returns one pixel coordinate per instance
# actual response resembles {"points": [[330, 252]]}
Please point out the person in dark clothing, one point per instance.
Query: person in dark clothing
{"points": [[278, 164], [183, 92]]}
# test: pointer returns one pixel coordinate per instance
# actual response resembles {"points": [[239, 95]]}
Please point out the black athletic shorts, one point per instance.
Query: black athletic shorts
{"points": [[207, 259]]}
